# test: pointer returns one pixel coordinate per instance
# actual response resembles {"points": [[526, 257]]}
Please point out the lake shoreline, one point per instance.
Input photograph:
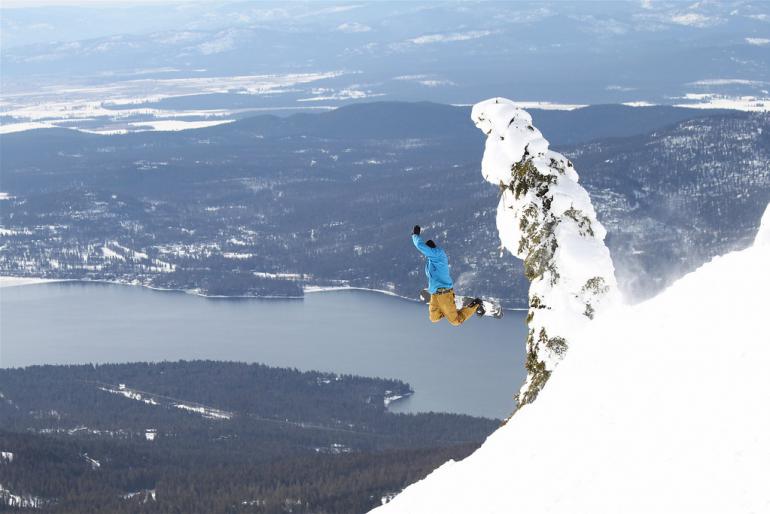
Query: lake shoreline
{"points": [[474, 370], [11, 281]]}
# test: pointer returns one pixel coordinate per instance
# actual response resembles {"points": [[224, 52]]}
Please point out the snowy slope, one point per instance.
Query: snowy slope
{"points": [[662, 407]]}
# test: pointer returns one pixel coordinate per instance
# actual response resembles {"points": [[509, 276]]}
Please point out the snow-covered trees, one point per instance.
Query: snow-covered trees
{"points": [[546, 219]]}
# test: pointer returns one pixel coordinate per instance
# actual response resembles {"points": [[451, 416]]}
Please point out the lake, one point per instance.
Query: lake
{"points": [[472, 369]]}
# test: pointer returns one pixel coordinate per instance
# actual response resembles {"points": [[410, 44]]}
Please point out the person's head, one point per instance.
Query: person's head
{"points": [[430, 243]]}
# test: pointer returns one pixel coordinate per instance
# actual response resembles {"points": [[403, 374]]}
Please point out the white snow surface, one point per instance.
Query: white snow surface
{"points": [[23, 281], [8, 128], [95, 464], [661, 407], [175, 125], [109, 253], [206, 412], [7, 498], [757, 41], [715, 101], [130, 394]]}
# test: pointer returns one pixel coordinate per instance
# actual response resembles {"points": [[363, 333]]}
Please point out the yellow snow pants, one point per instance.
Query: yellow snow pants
{"points": [[442, 305]]}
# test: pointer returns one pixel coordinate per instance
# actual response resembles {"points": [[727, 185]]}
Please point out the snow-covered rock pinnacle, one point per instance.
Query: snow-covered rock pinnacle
{"points": [[546, 219]]}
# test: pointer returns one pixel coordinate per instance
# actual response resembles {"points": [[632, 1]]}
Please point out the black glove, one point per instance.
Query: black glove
{"points": [[416, 230]]}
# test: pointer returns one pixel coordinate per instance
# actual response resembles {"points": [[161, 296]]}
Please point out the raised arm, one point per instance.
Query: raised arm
{"points": [[424, 249]]}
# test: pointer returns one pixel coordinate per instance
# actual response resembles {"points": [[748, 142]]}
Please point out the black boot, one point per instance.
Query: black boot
{"points": [[479, 304]]}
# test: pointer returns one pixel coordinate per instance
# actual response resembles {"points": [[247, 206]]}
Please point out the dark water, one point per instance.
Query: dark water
{"points": [[472, 369]]}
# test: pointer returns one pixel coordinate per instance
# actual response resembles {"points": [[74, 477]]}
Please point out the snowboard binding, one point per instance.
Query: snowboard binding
{"points": [[484, 306]]}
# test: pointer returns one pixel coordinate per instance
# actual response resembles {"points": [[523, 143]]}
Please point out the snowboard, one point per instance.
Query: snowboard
{"points": [[492, 308]]}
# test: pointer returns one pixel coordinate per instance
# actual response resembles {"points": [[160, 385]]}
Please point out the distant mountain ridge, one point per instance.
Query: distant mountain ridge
{"points": [[428, 119]]}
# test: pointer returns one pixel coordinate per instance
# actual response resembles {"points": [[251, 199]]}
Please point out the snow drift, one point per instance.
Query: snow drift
{"points": [[660, 407], [546, 219]]}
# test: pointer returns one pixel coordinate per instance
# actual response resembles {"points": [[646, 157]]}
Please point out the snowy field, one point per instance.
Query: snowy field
{"points": [[125, 106], [95, 116]]}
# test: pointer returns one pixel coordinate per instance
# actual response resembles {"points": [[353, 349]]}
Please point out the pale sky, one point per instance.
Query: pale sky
{"points": [[86, 3]]}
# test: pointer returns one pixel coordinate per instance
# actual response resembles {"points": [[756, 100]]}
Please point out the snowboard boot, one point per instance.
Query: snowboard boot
{"points": [[479, 304]]}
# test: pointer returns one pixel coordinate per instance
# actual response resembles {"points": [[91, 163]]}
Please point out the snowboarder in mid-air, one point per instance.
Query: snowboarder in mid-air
{"points": [[440, 287]]}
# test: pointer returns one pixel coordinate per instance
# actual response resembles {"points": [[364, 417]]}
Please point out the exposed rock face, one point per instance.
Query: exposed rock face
{"points": [[546, 219]]}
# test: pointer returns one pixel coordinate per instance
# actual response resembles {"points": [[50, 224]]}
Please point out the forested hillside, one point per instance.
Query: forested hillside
{"points": [[208, 436], [267, 206]]}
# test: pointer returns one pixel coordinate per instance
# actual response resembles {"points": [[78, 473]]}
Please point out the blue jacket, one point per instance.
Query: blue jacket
{"points": [[436, 267]]}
